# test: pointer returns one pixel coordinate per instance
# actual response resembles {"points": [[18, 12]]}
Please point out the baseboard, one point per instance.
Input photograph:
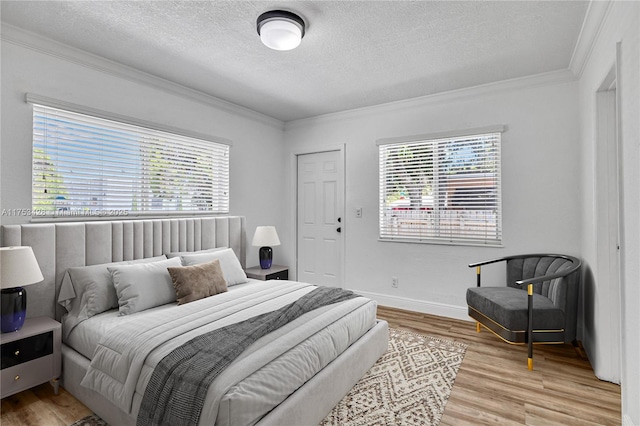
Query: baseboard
{"points": [[626, 421], [432, 308]]}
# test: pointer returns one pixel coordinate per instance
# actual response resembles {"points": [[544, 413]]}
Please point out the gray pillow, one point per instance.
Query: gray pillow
{"points": [[231, 268], [88, 290], [187, 253], [143, 286]]}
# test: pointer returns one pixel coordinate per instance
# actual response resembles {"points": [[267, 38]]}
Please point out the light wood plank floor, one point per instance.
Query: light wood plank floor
{"points": [[493, 385]]}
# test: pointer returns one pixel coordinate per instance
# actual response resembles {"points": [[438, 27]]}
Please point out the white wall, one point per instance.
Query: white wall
{"points": [[622, 24], [33, 65], [540, 175]]}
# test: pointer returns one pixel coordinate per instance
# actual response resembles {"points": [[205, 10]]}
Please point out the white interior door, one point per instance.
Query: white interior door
{"points": [[320, 218]]}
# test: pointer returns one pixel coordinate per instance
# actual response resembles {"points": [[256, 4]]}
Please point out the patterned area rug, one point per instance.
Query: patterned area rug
{"points": [[92, 420], [409, 385]]}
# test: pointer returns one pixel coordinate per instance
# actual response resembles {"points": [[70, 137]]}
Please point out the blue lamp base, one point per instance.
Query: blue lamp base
{"points": [[14, 309], [266, 257]]}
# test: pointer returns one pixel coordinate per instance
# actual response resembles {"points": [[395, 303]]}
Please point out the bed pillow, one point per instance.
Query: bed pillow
{"points": [[143, 286], [88, 290], [198, 281], [231, 268], [187, 253]]}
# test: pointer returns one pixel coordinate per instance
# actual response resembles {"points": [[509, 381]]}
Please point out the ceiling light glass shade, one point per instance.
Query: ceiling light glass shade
{"points": [[280, 30]]}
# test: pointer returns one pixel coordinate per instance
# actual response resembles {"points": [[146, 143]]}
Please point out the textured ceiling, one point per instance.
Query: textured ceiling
{"points": [[354, 54]]}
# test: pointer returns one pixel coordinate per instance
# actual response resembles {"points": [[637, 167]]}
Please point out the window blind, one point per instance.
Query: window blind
{"points": [[445, 190], [86, 165]]}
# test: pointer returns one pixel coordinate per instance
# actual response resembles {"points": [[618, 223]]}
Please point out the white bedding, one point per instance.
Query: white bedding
{"points": [[85, 336], [256, 382]]}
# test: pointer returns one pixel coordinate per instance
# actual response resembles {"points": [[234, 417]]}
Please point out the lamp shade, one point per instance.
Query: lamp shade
{"points": [[18, 267], [265, 236]]}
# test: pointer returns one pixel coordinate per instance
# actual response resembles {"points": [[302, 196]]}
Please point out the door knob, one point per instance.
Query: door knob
{"points": [[339, 229], [339, 219]]}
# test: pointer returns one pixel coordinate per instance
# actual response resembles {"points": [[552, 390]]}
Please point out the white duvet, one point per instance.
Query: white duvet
{"points": [[124, 360]]}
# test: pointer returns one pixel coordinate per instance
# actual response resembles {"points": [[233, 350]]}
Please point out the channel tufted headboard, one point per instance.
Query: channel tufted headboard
{"points": [[59, 246]]}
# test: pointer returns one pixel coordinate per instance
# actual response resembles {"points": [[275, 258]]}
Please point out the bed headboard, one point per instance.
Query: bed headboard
{"points": [[62, 245]]}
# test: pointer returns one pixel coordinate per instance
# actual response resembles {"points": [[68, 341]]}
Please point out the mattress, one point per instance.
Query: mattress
{"points": [[248, 397]]}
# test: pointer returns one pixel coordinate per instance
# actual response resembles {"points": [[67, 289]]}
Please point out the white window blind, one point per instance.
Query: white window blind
{"points": [[85, 165], [445, 190]]}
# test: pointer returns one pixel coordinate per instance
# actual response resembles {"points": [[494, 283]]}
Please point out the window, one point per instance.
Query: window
{"points": [[85, 165], [444, 189]]}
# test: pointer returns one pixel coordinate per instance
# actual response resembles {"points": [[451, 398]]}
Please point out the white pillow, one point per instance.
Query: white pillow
{"points": [[143, 286], [188, 253], [231, 268]]}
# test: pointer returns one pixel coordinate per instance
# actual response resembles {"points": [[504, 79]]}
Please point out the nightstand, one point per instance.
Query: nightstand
{"points": [[274, 273], [31, 356]]}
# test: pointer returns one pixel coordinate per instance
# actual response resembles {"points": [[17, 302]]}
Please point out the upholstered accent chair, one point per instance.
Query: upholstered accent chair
{"points": [[539, 303]]}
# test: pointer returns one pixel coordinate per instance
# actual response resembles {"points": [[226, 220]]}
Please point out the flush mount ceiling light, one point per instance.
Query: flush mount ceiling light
{"points": [[280, 30]]}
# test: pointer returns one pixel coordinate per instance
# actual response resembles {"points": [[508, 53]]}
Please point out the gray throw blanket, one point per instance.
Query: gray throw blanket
{"points": [[178, 386]]}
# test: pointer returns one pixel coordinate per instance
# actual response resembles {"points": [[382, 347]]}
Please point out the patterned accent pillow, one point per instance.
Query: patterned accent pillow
{"points": [[197, 281]]}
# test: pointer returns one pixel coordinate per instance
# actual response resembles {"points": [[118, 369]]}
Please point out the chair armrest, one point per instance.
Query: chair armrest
{"points": [[477, 265], [576, 265], [575, 261], [487, 262]]}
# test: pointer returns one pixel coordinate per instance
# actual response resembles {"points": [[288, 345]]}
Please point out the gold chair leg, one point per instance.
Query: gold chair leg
{"points": [[530, 364], [478, 327]]}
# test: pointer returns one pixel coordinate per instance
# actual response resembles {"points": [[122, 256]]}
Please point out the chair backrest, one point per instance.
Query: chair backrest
{"points": [[563, 291]]}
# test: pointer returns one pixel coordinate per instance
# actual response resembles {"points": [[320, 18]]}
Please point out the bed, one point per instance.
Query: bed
{"points": [[292, 376]]}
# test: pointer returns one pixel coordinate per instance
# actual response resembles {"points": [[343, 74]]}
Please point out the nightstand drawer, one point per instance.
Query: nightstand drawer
{"points": [[282, 275], [24, 376], [25, 350], [30, 356], [276, 272]]}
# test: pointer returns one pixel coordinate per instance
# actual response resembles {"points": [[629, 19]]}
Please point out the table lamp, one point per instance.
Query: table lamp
{"points": [[18, 268], [265, 237]]}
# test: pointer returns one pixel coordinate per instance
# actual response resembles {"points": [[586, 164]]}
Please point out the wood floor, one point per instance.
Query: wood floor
{"points": [[493, 385], [39, 406]]}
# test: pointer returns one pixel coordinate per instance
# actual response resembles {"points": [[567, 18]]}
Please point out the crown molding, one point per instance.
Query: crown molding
{"points": [[44, 45], [592, 25], [474, 92]]}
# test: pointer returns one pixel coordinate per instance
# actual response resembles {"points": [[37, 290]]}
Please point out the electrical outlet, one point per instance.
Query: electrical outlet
{"points": [[359, 212], [394, 282]]}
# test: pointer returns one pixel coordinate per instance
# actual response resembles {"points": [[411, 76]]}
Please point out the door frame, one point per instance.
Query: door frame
{"points": [[293, 170], [608, 215]]}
